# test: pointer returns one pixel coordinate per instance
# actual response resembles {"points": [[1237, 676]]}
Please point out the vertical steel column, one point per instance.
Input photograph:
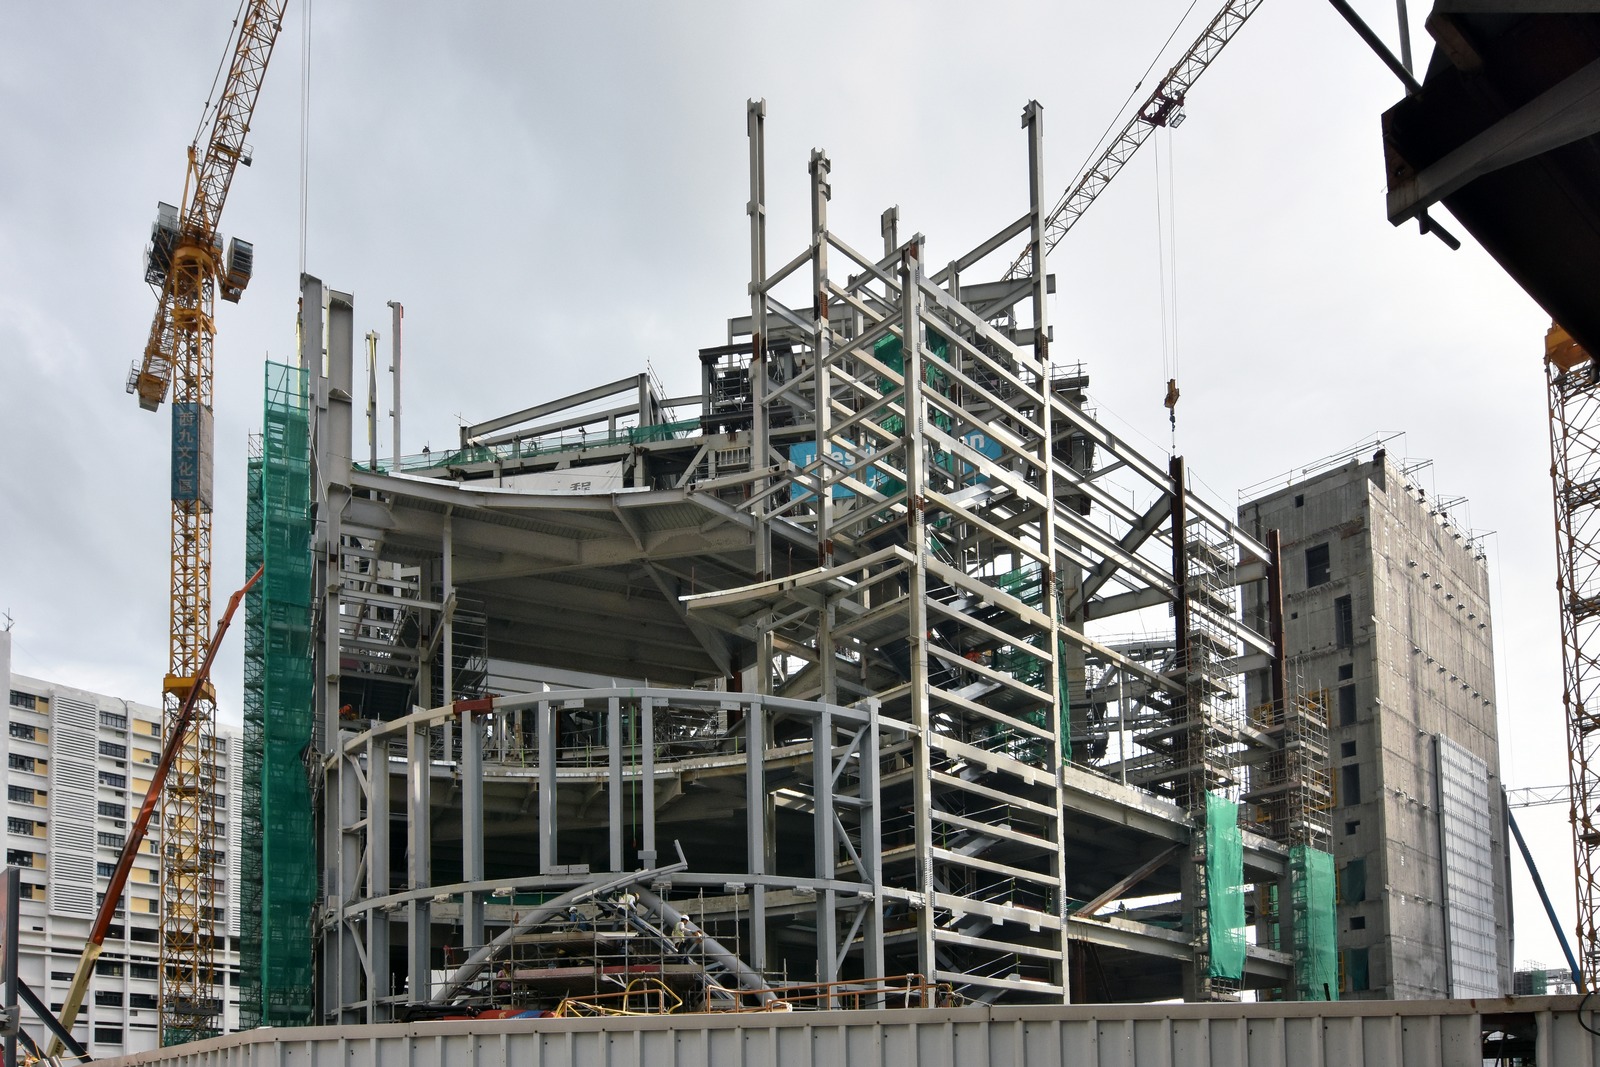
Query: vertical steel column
{"points": [[545, 723], [419, 874], [448, 598], [1033, 122], [755, 796], [872, 843], [377, 877], [889, 226], [756, 116], [825, 849], [647, 780], [342, 789], [911, 277], [398, 313], [614, 789], [822, 354], [471, 829], [1190, 750]]}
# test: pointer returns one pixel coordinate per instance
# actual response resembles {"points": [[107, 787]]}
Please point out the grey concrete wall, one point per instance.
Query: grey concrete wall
{"points": [[1416, 1034], [1419, 662]]}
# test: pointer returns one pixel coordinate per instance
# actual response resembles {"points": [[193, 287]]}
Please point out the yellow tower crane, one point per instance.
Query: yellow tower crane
{"points": [[186, 266]]}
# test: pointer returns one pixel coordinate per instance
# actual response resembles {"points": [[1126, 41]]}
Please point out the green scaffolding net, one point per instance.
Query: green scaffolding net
{"points": [[1315, 930], [1224, 888], [278, 877]]}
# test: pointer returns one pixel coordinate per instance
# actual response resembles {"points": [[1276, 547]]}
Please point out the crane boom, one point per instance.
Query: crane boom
{"points": [[1164, 107], [185, 265]]}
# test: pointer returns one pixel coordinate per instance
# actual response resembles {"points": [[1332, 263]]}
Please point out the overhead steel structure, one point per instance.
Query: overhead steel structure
{"points": [[859, 664], [185, 265]]}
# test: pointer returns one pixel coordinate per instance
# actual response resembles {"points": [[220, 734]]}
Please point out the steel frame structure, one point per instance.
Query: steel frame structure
{"points": [[890, 559]]}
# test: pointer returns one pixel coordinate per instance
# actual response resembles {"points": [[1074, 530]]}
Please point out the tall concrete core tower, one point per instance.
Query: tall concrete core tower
{"points": [[1387, 612]]}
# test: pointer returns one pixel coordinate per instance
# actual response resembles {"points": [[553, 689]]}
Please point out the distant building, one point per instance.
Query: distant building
{"points": [[78, 766], [1387, 610]]}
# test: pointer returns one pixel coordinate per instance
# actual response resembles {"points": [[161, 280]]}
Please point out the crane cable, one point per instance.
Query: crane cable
{"points": [[208, 113], [305, 124], [1167, 266]]}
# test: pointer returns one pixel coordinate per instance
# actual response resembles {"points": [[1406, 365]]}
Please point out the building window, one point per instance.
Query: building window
{"points": [[1299, 500], [19, 857], [107, 1035], [109, 809], [20, 763], [19, 793], [105, 870], [20, 826], [1351, 827], [109, 840], [1347, 705], [1347, 671], [143, 1000], [1318, 569], [1355, 970], [26, 701], [23, 731], [1347, 749], [108, 968], [112, 721], [143, 970], [1358, 922], [1344, 625], [1353, 882], [114, 750], [115, 781], [108, 997], [1350, 784]]}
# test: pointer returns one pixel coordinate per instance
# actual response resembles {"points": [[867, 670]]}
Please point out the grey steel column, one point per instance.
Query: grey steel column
{"points": [[647, 780], [545, 723], [825, 848], [757, 209], [1033, 121], [614, 788], [447, 598], [419, 939], [398, 313], [755, 802], [341, 796], [917, 541], [377, 877], [822, 353], [471, 829], [872, 844]]}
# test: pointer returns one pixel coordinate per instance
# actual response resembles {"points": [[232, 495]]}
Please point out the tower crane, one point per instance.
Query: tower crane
{"points": [[186, 267], [1164, 107]]}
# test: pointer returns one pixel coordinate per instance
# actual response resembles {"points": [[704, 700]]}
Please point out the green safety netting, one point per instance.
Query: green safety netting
{"points": [[278, 884], [1315, 926], [1224, 887]]}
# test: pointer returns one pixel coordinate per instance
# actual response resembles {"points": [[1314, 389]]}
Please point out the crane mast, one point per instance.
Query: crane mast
{"points": [[1164, 107], [186, 266]]}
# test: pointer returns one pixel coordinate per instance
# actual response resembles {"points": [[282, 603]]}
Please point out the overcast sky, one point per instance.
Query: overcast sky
{"points": [[556, 193]]}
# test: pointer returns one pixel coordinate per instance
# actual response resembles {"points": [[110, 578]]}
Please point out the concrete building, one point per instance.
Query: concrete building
{"points": [[1387, 612], [78, 766]]}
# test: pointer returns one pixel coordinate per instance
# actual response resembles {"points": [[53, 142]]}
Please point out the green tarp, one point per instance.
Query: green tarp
{"points": [[1224, 887], [1316, 933]]}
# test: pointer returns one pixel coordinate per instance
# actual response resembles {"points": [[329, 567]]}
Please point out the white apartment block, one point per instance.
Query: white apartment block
{"points": [[77, 768]]}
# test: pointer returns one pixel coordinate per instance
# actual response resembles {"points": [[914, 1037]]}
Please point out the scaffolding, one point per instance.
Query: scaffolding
{"points": [[1574, 387], [278, 881]]}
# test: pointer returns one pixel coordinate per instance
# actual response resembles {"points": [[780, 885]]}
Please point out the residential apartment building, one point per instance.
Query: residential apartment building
{"points": [[1386, 611], [77, 768]]}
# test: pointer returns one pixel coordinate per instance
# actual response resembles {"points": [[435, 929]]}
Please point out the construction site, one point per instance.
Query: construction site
{"points": [[878, 674]]}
